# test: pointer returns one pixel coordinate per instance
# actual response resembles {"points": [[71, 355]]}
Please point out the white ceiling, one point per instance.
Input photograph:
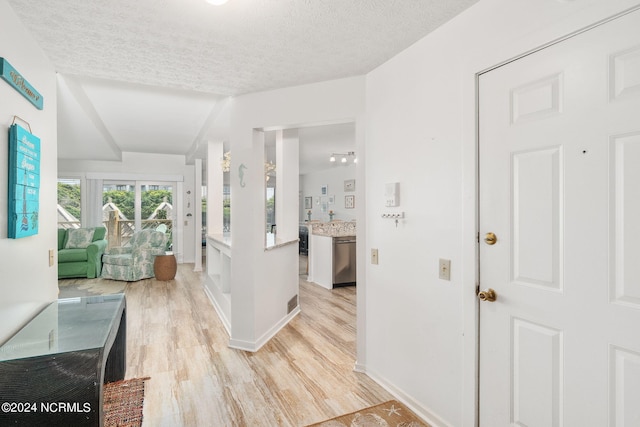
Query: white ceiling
{"points": [[154, 75]]}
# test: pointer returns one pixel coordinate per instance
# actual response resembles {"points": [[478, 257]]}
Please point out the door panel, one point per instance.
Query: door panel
{"points": [[559, 156], [537, 373], [625, 179], [625, 387], [536, 215]]}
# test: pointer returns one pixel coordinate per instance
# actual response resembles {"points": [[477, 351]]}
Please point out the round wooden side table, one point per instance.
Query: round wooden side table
{"points": [[165, 267]]}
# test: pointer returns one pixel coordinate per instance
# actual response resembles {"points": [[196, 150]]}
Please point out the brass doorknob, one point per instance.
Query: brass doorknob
{"points": [[490, 238], [488, 295]]}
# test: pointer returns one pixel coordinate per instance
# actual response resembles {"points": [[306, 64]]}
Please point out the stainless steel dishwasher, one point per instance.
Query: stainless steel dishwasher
{"points": [[344, 261]]}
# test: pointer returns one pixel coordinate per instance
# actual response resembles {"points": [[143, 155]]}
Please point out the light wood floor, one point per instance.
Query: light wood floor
{"points": [[303, 375]]}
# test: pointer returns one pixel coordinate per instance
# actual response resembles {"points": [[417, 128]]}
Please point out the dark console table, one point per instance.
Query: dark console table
{"points": [[52, 371]]}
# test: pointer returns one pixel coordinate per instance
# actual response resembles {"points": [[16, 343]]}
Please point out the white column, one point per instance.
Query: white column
{"points": [[215, 184], [287, 184], [197, 202]]}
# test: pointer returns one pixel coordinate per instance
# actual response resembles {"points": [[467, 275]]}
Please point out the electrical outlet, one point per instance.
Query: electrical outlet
{"points": [[374, 256], [444, 269]]}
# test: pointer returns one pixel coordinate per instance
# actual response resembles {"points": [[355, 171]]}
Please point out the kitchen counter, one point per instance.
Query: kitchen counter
{"points": [[333, 228], [321, 249]]}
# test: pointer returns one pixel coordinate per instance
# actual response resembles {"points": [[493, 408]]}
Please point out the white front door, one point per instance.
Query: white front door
{"points": [[559, 181]]}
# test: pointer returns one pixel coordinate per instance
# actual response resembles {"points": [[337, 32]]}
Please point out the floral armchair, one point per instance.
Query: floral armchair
{"points": [[135, 260]]}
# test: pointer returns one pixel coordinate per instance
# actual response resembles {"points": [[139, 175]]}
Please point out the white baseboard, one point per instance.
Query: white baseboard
{"points": [[362, 369], [218, 309], [425, 413], [257, 345]]}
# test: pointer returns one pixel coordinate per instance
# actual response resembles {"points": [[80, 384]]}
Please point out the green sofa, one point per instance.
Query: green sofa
{"points": [[80, 252]]}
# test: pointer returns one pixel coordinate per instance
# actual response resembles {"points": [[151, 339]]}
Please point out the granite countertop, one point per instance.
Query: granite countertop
{"points": [[273, 242], [333, 228]]}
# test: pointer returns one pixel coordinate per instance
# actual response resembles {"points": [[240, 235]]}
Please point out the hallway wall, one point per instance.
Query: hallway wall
{"points": [[420, 132], [27, 282]]}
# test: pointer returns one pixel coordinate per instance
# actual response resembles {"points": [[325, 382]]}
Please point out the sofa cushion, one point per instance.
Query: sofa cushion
{"points": [[79, 238], [72, 269], [72, 255], [62, 237], [118, 259], [99, 233]]}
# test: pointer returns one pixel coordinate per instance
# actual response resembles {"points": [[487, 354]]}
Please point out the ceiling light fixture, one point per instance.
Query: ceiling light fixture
{"points": [[217, 2], [344, 157]]}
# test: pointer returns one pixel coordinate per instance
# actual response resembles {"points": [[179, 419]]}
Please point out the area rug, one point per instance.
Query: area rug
{"points": [[123, 402], [391, 413]]}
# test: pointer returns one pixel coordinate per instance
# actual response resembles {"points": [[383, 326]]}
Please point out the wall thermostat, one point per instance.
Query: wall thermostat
{"points": [[392, 194]]}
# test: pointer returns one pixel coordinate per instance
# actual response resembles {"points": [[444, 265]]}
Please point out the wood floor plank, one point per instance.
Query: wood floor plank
{"points": [[301, 376]]}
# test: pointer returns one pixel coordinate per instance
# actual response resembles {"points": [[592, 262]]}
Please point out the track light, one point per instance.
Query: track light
{"points": [[344, 157]]}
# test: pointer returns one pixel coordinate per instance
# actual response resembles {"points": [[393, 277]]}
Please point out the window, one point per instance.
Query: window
{"points": [[69, 203], [131, 206]]}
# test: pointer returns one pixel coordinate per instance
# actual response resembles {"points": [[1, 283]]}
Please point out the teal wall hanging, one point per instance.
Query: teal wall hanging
{"points": [[19, 83], [24, 182]]}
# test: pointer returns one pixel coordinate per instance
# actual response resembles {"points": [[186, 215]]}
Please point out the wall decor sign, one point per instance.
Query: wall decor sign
{"points": [[24, 182], [349, 202], [19, 83]]}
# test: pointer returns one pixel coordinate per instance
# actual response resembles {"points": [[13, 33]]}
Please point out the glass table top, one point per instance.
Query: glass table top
{"points": [[71, 324]]}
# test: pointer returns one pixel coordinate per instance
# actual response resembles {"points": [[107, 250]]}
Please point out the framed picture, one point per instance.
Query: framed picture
{"points": [[308, 202], [350, 185], [332, 200], [349, 202], [324, 190]]}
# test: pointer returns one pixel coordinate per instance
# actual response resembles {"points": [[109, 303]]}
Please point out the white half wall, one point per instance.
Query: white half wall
{"points": [[27, 281], [262, 282]]}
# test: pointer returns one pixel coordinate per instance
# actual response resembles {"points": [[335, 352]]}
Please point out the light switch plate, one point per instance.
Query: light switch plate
{"points": [[374, 256]]}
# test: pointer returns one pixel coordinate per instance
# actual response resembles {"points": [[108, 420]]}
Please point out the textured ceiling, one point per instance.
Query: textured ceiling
{"points": [[240, 47], [130, 69]]}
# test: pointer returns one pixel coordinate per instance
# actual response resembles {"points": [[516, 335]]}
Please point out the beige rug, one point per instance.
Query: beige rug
{"points": [[391, 413]]}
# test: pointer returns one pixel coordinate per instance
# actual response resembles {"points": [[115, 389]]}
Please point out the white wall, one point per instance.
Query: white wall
{"points": [[27, 281], [421, 337], [259, 294], [148, 166], [334, 178]]}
